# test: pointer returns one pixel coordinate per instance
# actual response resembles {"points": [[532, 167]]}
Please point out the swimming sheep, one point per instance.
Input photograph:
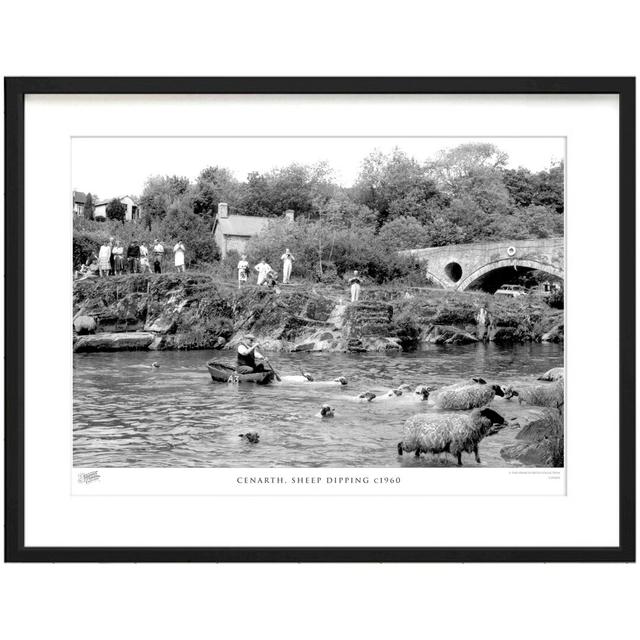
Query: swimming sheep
{"points": [[455, 433], [326, 412], [252, 436], [557, 373], [547, 394], [465, 395]]}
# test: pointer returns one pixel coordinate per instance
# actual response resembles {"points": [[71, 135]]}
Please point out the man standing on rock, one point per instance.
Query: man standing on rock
{"points": [[355, 286], [247, 354], [287, 264]]}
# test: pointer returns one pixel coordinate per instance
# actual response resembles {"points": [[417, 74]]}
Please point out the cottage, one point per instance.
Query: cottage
{"points": [[132, 213], [233, 232], [77, 204]]}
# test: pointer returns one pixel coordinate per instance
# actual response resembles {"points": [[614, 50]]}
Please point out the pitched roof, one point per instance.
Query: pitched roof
{"points": [[79, 197], [104, 201], [242, 225]]}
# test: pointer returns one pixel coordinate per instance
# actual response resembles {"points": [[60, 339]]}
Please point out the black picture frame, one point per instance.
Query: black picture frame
{"points": [[15, 91]]}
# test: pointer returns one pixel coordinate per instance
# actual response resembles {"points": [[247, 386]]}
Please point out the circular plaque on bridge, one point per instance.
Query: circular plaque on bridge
{"points": [[511, 251]]}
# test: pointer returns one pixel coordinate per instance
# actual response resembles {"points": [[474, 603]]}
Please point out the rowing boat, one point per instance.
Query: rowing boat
{"points": [[220, 372]]}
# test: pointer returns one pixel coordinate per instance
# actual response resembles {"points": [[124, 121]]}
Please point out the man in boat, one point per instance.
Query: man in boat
{"points": [[247, 355]]}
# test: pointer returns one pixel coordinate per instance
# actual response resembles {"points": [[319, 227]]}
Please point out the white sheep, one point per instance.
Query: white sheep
{"points": [[454, 433], [465, 395], [304, 379], [546, 394], [557, 373]]}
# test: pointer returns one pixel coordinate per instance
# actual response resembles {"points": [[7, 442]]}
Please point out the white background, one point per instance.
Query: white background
{"points": [[489, 38]]}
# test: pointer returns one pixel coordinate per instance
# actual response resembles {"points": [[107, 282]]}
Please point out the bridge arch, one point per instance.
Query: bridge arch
{"points": [[436, 280], [468, 280]]}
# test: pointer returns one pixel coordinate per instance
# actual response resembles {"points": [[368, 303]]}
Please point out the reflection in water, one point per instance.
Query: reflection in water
{"points": [[129, 414]]}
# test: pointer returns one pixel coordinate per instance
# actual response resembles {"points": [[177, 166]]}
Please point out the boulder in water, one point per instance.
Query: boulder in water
{"points": [[125, 341]]}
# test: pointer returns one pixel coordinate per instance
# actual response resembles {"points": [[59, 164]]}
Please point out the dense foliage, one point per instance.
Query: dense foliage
{"points": [[464, 194], [116, 210]]}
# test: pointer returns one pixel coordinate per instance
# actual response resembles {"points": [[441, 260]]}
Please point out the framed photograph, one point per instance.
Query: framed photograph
{"points": [[320, 319]]}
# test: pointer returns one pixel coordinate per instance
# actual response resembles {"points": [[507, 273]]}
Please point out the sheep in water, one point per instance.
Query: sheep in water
{"points": [[434, 433], [546, 394], [326, 412], [370, 396], [252, 436], [557, 373], [340, 381], [470, 394]]}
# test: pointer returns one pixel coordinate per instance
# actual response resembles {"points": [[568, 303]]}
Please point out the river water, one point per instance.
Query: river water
{"points": [[128, 414]]}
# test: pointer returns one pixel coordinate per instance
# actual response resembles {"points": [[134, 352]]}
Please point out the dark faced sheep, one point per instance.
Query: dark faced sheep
{"points": [[326, 412], [455, 433], [252, 436]]}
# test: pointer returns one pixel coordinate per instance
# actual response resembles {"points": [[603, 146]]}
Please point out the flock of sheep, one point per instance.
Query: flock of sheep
{"points": [[450, 430], [455, 433]]}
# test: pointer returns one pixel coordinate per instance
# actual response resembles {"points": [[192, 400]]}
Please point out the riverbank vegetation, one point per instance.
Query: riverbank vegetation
{"points": [[194, 310], [464, 194]]}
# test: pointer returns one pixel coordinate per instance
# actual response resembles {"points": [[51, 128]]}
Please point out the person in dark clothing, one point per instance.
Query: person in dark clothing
{"points": [[247, 354], [112, 258], [133, 256]]}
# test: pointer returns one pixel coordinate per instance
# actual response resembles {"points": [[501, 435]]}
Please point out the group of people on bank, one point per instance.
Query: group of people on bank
{"points": [[267, 276], [112, 259]]}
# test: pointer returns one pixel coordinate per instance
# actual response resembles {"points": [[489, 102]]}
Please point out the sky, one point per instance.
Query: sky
{"points": [[118, 166]]}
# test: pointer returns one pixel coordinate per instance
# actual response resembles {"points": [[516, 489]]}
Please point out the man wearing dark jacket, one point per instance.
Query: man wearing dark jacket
{"points": [[247, 355], [133, 256]]}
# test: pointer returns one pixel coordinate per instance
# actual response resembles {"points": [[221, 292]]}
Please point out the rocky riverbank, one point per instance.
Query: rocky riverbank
{"points": [[194, 311]]}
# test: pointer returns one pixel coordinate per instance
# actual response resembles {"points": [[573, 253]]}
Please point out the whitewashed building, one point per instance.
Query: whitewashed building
{"points": [[132, 213]]}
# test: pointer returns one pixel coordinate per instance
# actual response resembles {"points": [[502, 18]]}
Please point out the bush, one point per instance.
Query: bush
{"points": [[329, 250], [84, 245]]}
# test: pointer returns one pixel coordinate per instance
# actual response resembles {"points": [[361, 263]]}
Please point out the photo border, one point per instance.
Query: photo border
{"points": [[15, 91]]}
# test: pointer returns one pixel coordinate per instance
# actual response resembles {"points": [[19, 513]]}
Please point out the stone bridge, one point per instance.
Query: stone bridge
{"points": [[487, 265]]}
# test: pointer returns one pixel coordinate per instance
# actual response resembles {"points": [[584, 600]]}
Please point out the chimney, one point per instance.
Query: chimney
{"points": [[288, 215], [223, 210]]}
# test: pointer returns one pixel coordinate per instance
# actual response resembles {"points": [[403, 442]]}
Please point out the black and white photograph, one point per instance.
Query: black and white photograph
{"points": [[299, 302]]}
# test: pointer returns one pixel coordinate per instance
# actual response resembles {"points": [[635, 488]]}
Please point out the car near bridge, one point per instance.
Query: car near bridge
{"points": [[487, 266]]}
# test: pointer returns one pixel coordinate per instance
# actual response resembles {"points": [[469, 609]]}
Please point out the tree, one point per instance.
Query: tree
{"points": [[116, 210], [466, 160], [88, 207], [214, 185], [159, 193], [395, 185], [180, 223], [404, 232]]}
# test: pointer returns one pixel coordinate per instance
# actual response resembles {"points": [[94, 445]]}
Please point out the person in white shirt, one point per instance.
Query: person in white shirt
{"points": [[287, 264], [144, 259], [158, 255], [178, 253], [355, 282], [104, 259], [263, 269], [118, 257], [243, 270]]}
